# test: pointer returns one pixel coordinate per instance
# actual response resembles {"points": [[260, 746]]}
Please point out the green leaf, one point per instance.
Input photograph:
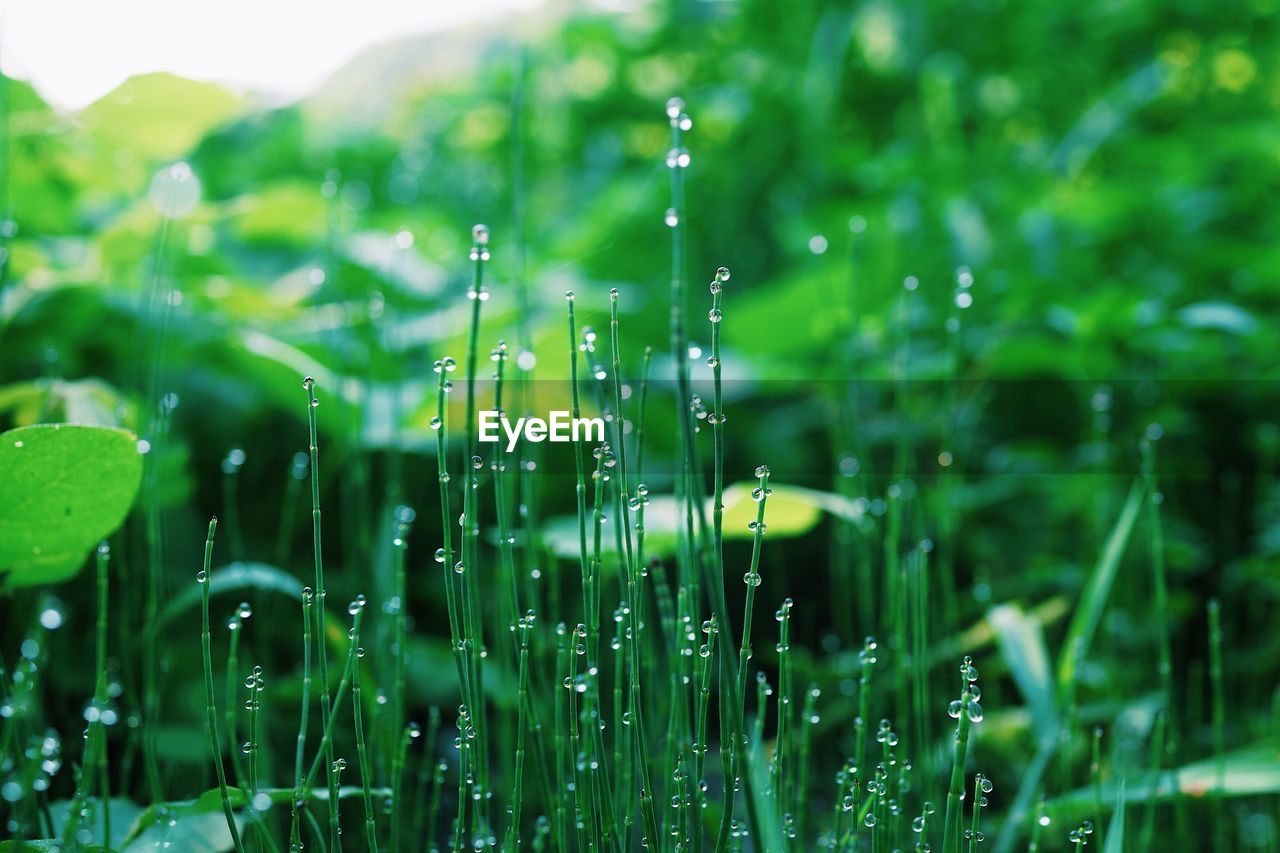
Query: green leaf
{"points": [[66, 488], [1020, 639], [1249, 773], [791, 511], [1093, 600], [259, 577], [1115, 832], [41, 845], [123, 813]]}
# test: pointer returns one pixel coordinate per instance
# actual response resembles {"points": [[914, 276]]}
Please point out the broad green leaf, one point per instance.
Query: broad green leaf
{"points": [[199, 824], [123, 813], [66, 487], [1020, 638], [1093, 600], [158, 115], [259, 577], [43, 845], [791, 511], [1249, 772]]}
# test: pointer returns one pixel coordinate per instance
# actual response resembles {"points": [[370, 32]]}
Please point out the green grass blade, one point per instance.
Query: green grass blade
{"points": [[1020, 639], [1088, 612], [1115, 831]]}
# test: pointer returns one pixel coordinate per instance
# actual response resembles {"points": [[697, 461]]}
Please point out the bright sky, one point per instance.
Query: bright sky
{"points": [[74, 51]]}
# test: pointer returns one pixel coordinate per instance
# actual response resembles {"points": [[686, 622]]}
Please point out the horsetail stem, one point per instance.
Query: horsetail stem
{"points": [[1157, 752], [471, 533], [700, 744], [255, 685], [633, 574], [444, 555], [295, 831], [405, 516], [760, 494], [808, 720], [780, 781], [309, 384], [211, 713], [95, 754], [1219, 723], [439, 766], [966, 711], [523, 627], [731, 691], [326, 738], [356, 609], [234, 624], [981, 787]]}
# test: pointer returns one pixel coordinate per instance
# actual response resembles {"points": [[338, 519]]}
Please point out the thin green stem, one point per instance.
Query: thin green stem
{"points": [[309, 384], [295, 831], [211, 712], [357, 710]]}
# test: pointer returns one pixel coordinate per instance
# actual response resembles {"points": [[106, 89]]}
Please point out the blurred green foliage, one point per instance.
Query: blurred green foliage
{"points": [[1104, 170]]}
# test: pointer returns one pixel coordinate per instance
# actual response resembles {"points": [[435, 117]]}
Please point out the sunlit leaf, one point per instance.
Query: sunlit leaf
{"points": [[66, 487]]}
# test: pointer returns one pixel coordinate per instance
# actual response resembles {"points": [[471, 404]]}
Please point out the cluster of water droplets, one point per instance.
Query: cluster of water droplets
{"points": [[968, 703], [1080, 835], [255, 684], [479, 254]]}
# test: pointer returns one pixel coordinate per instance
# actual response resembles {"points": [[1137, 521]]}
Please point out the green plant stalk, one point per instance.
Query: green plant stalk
{"points": [[362, 751], [253, 755], [731, 697], [309, 384], [233, 664], [471, 533], [326, 737], [211, 713], [562, 758], [590, 581], [1095, 771], [621, 745], [680, 345], [807, 723], [866, 658], [781, 782], [522, 701], [401, 544], [438, 767], [445, 557], [95, 758], [582, 805], [1160, 591], [700, 744], [955, 794], [763, 692], [918, 581], [977, 813], [600, 787], [465, 778], [505, 539], [744, 656], [1219, 723], [1157, 752], [633, 571], [295, 831]]}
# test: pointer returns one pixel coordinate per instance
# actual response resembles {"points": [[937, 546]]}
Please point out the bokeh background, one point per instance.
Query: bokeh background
{"points": [[982, 251]]}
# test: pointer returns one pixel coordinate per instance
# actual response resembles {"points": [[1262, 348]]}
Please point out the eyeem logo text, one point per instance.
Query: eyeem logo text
{"points": [[559, 426]]}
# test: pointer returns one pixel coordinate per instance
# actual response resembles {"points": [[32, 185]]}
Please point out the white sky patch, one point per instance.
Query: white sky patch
{"points": [[75, 51]]}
